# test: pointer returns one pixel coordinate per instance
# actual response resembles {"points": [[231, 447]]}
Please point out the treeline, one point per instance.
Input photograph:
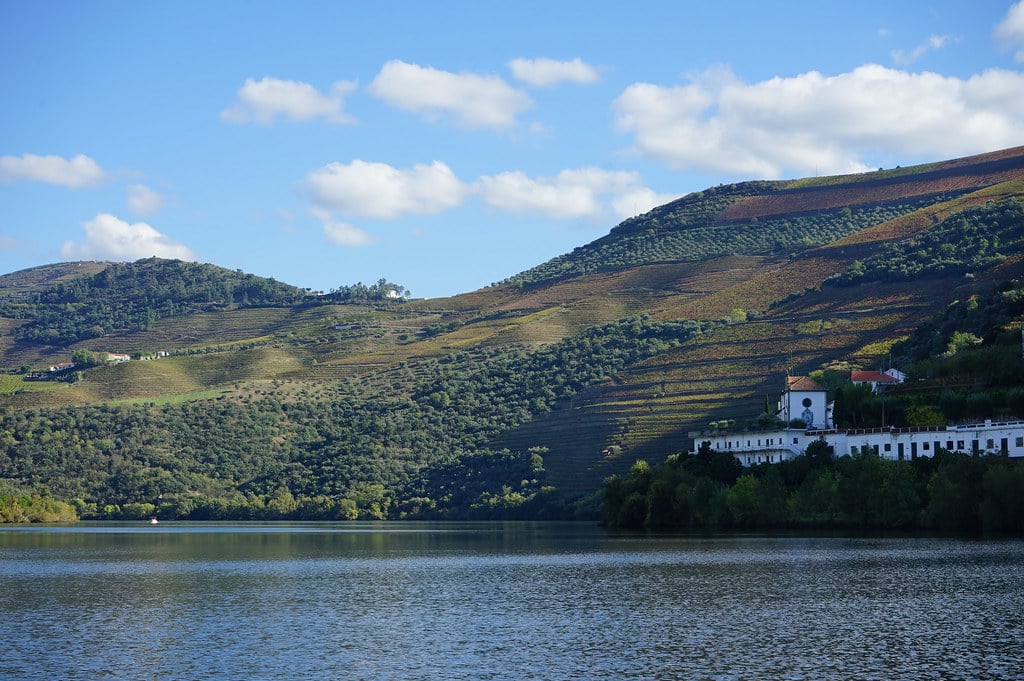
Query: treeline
{"points": [[948, 493], [134, 295], [34, 508], [413, 442], [359, 292], [968, 242]]}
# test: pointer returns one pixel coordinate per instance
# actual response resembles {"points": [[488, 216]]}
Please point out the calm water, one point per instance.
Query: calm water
{"points": [[500, 601]]}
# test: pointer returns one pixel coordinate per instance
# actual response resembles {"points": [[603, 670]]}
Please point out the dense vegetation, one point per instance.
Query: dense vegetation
{"points": [[18, 506], [947, 493], [133, 296], [383, 290], [968, 242], [987, 318], [419, 451], [965, 364], [691, 235]]}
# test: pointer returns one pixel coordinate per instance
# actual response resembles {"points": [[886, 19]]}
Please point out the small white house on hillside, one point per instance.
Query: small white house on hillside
{"points": [[878, 380]]}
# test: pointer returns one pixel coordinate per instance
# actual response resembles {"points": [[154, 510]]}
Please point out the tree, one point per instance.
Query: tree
{"points": [[1002, 506], [851, 405], [819, 453], [953, 405], [1015, 401], [979, 405], [743, 500], [84, 358], [961, 340]]}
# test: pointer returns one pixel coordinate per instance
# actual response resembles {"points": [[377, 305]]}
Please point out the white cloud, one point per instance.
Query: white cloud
{"points": [[338, 232], [474, 101], [109, 238], [261, 101], [142, 200], [935, 42], [638, 200], [378, 190], [545, 72], [578, 193], [80, 171], [1010, 31], [810, 122]]}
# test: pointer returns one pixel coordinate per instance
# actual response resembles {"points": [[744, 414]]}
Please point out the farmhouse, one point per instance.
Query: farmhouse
{"points": [[878, 380], [750, 448]]}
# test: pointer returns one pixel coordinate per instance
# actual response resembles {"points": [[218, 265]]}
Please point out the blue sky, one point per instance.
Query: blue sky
{"points": [[448, 145]]}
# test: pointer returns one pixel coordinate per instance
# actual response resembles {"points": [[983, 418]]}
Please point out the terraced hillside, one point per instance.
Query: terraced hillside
{"points": [[770, 276]]}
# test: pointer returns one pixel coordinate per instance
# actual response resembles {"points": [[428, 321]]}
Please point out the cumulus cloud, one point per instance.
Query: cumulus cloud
{"points": [[576, 193], [545, 72], [261, 101], [109, 238], [637, 200], [378, 190], [80, 171], [339, 232], [142, 200], [1010, 31], [906, 58], [472, 100], [809, 122]]}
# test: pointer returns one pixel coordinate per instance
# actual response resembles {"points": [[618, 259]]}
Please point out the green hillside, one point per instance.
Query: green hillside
{"points": [[252, 398]]}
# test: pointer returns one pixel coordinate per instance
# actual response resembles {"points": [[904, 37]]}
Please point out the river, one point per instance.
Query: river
{"points": [[500, 601]]}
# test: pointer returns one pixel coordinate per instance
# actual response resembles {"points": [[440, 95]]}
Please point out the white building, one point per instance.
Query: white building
{"points": [[806, 400], [878, 380], [752, 448]]}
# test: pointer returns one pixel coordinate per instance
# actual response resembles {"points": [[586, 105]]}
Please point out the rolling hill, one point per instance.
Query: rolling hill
{"points": [[512, 400]]}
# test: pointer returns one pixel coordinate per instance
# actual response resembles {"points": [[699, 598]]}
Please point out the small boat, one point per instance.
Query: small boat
{"points": [[153, 520]]}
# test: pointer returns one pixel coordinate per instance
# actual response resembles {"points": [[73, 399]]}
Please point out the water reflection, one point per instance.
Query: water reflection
{"points": [[520, 600]]}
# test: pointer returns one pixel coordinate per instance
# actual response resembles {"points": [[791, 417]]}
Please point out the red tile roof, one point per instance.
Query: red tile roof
{"points": [[802, 384], [871, 377]]}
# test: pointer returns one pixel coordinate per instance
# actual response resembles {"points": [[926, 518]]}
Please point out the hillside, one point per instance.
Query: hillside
{"points": [[511, 401]]}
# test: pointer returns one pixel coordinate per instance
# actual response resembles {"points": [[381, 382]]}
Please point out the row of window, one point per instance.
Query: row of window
{"points": [[990, 445]]}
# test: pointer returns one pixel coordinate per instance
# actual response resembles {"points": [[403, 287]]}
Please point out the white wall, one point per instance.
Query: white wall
{"points": [[889, 443]]}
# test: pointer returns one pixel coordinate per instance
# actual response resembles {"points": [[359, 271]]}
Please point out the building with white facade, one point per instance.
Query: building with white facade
{"points": [[878, 380], [1006, 439], [805, 400]]}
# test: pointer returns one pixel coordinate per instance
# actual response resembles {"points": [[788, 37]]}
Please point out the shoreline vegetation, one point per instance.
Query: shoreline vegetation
{"points": [[949, 493], [35, 508]]}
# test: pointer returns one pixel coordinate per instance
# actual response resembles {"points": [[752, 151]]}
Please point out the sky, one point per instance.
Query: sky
{"points": [[445, 146]]}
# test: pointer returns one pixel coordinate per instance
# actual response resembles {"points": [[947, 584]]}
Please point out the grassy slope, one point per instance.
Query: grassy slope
{"points": [[645, 411]]}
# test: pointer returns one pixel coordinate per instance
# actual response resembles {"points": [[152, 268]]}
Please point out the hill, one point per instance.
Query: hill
{"points": [[516, 400]]}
